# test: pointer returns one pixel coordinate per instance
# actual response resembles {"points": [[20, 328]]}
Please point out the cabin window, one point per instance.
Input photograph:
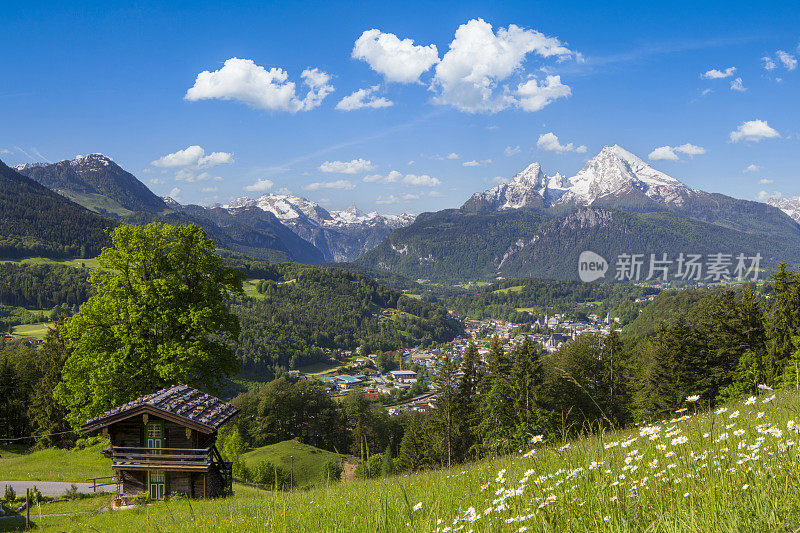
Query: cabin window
{"points": [[157, 484], [155, 437]]}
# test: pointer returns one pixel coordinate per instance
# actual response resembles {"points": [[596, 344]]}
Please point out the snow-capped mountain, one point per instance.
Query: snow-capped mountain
{"points": [[340, 235], [613, 173], [790, 206], [96, 182]]}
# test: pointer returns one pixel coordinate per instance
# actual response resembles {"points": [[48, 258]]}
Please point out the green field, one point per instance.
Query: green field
{"points": [[32, 330], [251, 288], [516, 288], [727, 471], [77, 263], [53, 464], [309, 462]]}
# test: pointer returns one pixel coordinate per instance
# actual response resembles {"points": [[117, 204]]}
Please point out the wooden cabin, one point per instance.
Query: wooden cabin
{"points": [[165, 443]]}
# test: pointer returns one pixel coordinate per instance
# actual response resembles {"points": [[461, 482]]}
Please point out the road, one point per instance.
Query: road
{"points": [[51, 488]]}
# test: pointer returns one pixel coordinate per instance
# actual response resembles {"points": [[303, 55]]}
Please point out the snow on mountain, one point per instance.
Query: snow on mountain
{"points": [[613, 172], [790, 206]]}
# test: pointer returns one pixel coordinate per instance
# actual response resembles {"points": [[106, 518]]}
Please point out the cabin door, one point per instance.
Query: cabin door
{"points": [[157, 485], [155, 438]]}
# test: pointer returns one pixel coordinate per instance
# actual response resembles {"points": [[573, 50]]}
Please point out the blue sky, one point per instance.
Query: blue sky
{"points": [[124, 79]]}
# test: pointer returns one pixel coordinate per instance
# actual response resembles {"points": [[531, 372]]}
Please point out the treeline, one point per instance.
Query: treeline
{"points": [[43, 286], [307, 310], [502, 300]]}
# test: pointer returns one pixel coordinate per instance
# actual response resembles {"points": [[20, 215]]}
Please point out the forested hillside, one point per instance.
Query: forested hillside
{"points": [[518, 300], [35, 221], [303, 310]]}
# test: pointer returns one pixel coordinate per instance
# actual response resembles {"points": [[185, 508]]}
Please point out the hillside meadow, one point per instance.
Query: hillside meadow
{"points": [[731, 469]]}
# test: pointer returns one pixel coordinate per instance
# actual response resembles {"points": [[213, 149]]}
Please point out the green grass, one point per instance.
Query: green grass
{"points": [[516, 288], [98, 203], [309, 462], [32, 330], [251, 288], [644, 479], [53, 464], [77, 263]]}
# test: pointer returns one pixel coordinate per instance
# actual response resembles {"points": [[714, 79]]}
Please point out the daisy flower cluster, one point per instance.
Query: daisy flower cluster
{"points": [[595, 482]]}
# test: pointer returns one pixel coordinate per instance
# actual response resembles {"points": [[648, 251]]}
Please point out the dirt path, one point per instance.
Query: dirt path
{"points": [[51, 488], [348, 471]]}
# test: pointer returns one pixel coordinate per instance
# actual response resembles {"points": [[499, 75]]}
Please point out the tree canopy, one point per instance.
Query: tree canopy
{"points": [[159, 317]]}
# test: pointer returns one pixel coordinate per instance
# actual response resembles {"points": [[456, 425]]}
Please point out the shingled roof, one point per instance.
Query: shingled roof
{"points": [[180, 403]]}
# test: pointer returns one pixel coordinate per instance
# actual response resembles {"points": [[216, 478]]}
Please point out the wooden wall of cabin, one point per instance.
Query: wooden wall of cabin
{"points": [[127, 432], [133, 481], [179, 482]]}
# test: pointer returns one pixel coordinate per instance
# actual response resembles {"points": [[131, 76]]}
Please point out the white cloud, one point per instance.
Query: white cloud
{"points": [[208, 189], [754, 131], [411, 162], [548, 142], [706, 92], [385, 200], [715, 74], [669, 152], [474, 163], [347, 167], [410, 196], [181, 158], [261, 185], [736, 85], [391, 177], [175, 193], [251, 84], [512, 150], [420, 181], [769, 64], [788, 60], [363, 99], [534, 97], [469, 75], [193, 156], [498, 180], [4, 151], [156, 181], [663, 153], [338, 184], [453, 155], [189, 175], [765, 181], [398, 60], [690, 149], [763, 196], [751, 168], [436, 194]]}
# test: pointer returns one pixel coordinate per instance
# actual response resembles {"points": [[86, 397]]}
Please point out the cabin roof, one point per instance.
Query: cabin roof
{"points": [[181, 404]]}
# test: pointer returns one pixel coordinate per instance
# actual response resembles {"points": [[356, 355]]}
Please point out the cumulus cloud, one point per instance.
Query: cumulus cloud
{"points": [[469, 75], [499, 180], [512, 150], [669, 152], [534, 96], [193, 156], [663, 153], [736, 85], [420, 180], [765, 181], [261, 185], [251, 84], [475, 163], [549, 142], [788, 60], [397, 60], [190, 176], [338, 184], [391, 177], [763, 196], [363, 99], [410, 196], [753, 131], [385, 200], [347, 167], [208, 189], [175, 193], [769, 63], [751, 168], [453, 155], [156, 181], [715, 74]]}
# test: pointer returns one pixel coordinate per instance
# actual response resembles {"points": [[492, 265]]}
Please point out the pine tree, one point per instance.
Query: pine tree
{"points": [[497, 401]]}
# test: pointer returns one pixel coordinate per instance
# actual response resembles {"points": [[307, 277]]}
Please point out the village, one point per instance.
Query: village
{"points": [[409, 382]]}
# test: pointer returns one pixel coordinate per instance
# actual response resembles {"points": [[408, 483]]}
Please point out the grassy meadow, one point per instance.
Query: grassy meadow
{"points": [[308, 462], [53, 464], [733, 469]]}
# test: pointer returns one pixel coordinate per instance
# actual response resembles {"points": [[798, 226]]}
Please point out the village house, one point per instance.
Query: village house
{"points": [[346, 382], [165, 443], [404, 376]]}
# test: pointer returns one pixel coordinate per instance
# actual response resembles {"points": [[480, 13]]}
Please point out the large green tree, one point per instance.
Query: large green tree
{"points": [[159, 318]]}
